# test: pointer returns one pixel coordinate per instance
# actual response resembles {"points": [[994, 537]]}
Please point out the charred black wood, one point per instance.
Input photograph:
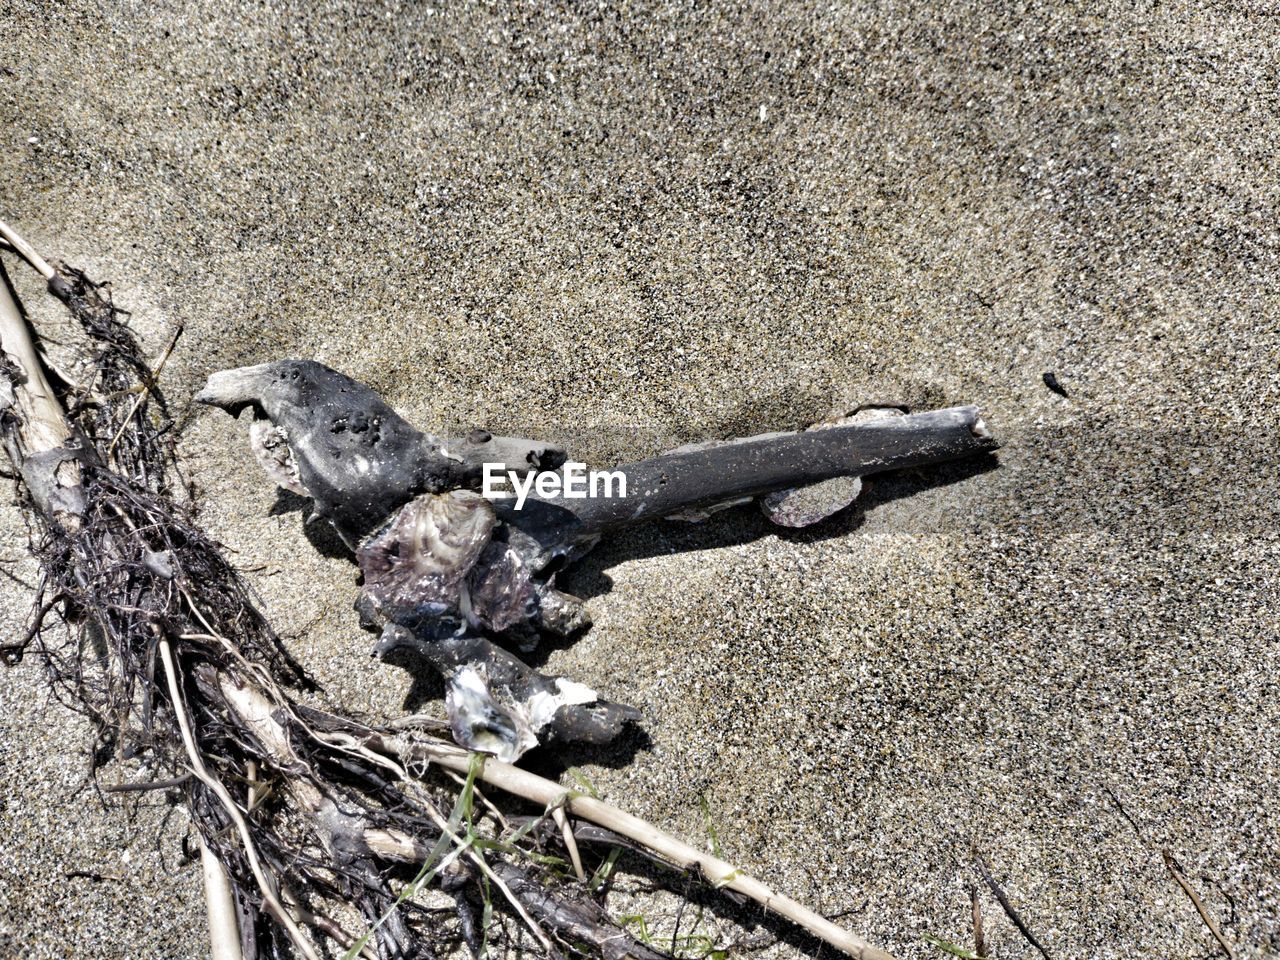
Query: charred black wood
{"points": [[708, 475], [498, 704], [333, 439], [446, 567]]}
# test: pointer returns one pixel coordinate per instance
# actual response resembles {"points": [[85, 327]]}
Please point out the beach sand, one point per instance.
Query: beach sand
{"points": [[626, 230]]}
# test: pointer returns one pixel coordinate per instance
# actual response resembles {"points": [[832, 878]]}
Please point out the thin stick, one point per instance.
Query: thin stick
{"points": [[149, 785], [718, 872], [1009, 911], [979, 941], [27, 251], [203, 775], [557, 813], [142, 394], [224, 931], [1209, 922]]}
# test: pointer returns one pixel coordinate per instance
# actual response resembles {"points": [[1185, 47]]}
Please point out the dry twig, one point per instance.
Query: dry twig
{"points": [[1005, 905], [979, 941], [1172, 866]]}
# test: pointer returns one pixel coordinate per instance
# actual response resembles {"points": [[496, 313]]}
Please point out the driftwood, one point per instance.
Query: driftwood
{"points": [[45, 450], [301, 809], [353, 455], [447, 572], [360, 461]]}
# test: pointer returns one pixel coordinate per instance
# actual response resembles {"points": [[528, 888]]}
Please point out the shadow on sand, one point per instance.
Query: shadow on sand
{"points": [[589, 577]]}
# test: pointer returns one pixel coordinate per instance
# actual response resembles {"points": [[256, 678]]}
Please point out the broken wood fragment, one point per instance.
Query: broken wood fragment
{"points": [[452, 567], [41, 443], [349, 451], [498, 705]]}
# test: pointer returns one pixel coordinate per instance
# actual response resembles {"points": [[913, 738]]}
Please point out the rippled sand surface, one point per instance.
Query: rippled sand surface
{"points": [[630, 230]]}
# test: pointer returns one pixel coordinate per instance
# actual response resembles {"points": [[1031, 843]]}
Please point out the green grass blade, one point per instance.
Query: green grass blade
{"points": [[711, 827], [433, 863], [604, 871], [950, 948], [581, 780]]}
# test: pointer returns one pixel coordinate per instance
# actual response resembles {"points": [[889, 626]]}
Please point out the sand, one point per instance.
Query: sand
{"points": [[625, 230]]}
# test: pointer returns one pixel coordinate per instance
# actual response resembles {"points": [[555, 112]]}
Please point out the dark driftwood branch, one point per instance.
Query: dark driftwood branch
{"points": [[452, 568], [356, 457], [753, 466], [361, 462]]}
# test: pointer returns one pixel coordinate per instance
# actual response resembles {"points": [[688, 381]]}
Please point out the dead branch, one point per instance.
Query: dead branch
{"points": [[1172, 866], [1006, 905]]}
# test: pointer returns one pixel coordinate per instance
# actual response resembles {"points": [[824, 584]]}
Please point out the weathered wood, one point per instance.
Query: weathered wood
{"points": [[40, 442], [361, 462], [354, 456], [710, 474], [266, 715]]}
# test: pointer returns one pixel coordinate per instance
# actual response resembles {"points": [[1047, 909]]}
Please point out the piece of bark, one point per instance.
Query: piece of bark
{"points": [[499, 705]]}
